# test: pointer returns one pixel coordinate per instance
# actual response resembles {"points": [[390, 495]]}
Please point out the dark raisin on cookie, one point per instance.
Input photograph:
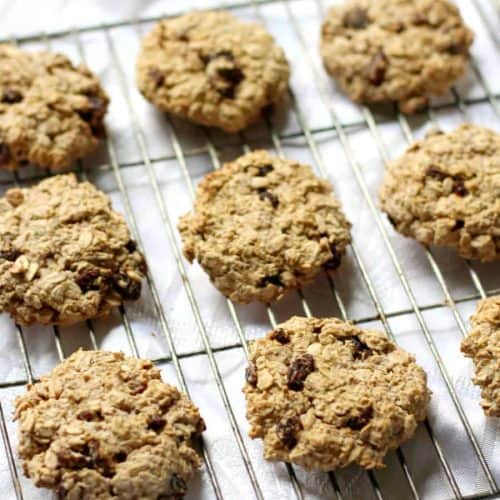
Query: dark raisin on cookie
{"points": [[435, 173], [356, 18], [251, 374], [131, 246], [156, 76], [376, 69], [270, 280], [264, 194], [120, 456], [361, 350], [10, 254], [90, 415], [357, 422], [93, 114], [280, 335], [299, 370], [264, 170], [456, 48], [420, 19], [287, 430], [178, 485], [459, 188], [11, 96], [459, 224], [128, 288], [86, 280], [137, 387], [157, 424], [334, 261]]}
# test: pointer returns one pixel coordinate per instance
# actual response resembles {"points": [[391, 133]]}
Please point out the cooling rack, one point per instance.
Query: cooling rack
{"points": [[420, 297]]}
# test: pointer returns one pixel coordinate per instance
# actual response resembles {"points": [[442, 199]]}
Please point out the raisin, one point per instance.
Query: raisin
{"points": [[459, 188], [264, 170], [157, 424], [137, 387], [10, 254], [86, 279], [90, 416], [131, 246], [4, 153], [459, 224], [264, 194], [232, 75], [456, 48], [128, 288], [93, 115], [200, 427], [392, 221], [356, 18], [178, 485], [356, 423], [334, 261], [435, 173], [287, 430], [270, 280], [119, 457], [361, 350], [11, 96], [280, 335], [157, 76], [71, 459], [375, 71], [299, 370], [251, 375]]}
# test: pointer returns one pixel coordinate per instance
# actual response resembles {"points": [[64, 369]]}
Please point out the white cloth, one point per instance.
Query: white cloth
{"points": [[28, 17]]}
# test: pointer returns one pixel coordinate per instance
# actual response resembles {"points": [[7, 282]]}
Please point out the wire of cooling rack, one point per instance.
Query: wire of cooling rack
{"points": [[340, 132]]}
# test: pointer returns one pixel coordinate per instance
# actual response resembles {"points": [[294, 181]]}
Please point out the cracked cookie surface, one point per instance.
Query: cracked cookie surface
{"points": [[212, 69], [445, 190], [65, 255], [483, 346], [51, 112], [263, 225], [395, 50], [325, 394], [104, 426]]}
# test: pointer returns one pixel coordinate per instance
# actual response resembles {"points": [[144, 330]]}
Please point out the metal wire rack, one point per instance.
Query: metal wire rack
{"points": [[343, 133]]}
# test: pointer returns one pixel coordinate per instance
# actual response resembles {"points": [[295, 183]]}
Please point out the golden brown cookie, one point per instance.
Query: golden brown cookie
{"points": [[65, 255], [103, 426], [212, 69], [445, 190], [483, 346], [263, 225], [325, 394], [51, 112], [395, 50]]}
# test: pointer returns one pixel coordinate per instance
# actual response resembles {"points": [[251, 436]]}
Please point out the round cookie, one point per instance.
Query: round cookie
{"points": [[395, 50], [103, 426], [483, 346], [212, 69], [65, 255], [51, 112], [325, 394], [263, 225], [445, 190]]}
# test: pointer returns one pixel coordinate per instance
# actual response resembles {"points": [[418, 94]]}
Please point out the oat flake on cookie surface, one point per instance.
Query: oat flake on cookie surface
{"points": [[263, 225], [325, 394], [51, 112], [482, 344], [65, 255], [445, 190], [102, 426], [212, 69], [395, 50]]}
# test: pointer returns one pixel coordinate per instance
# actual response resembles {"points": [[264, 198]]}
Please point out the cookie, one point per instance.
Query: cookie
{"points": [[263, 225], [65, 255], [325, 394], [104, 426], [51, 112], [445, 190], [483, 346], [395, 50], [212, 69]]}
